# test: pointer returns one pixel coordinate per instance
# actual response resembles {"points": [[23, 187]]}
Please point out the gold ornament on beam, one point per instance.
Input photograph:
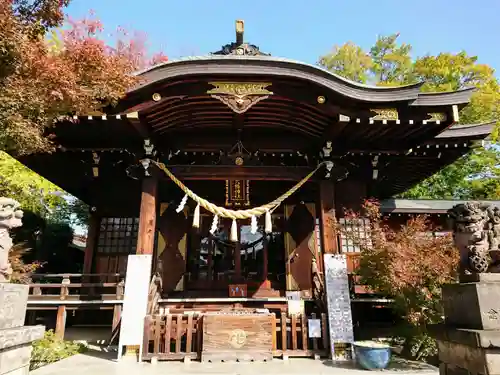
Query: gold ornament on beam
{"points": [[390, 114], [239, 161], [436, 116], [239, 96]]}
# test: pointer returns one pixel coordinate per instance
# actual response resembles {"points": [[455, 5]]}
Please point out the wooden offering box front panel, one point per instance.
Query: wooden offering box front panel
{"points": [[237, 337]]}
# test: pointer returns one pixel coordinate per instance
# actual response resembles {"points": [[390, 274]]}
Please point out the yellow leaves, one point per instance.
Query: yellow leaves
{"points": [[451, 72], [24, 185], [349, 61], [54, 41], [390, 64]]}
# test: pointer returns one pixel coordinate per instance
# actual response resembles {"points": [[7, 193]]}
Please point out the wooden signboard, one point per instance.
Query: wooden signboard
{"points": [[237, 193], [135, 301], [338, 301], [242, 337]]}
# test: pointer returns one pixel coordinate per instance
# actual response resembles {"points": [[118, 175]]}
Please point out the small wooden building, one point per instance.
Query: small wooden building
{"points": [[240, 127]]}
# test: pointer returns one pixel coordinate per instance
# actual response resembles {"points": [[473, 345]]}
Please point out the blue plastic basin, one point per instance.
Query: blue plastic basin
{"points": [[372, 355]]}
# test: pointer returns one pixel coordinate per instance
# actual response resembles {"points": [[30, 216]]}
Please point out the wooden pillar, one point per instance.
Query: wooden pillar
{"points": [[145, 234], [92, 235], [147, 216], [265, 259], [61, 321], [237, 256], [329, 242], [117, 309]]}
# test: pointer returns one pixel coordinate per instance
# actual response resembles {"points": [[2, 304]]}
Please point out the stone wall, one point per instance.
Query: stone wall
{"points": [[15, 338]]}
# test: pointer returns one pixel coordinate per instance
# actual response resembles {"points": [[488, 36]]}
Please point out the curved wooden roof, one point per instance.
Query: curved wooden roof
{"points": [[474, 131], [259, 66], [173, 107], [184, 114]]}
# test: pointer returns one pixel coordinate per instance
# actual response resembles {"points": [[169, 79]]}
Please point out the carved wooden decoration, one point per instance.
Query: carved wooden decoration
{"points": [[385, 114], [239, 96], [237, 193], [436, 116]]}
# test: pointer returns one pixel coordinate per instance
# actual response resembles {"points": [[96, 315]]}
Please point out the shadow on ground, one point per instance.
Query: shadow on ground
{"points": [[101, 353], [396, 364]]}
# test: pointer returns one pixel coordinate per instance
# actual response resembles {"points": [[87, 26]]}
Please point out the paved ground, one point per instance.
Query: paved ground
{"points": [[96, 363]]}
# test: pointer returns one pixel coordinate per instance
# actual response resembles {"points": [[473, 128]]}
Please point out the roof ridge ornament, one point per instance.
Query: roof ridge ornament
{"points": [[239, 47]]}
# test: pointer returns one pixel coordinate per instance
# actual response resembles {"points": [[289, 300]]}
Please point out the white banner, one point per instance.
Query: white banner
{"points": [[135, 300]]}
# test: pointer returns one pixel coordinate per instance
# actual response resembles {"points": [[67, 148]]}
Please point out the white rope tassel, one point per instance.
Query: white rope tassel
{"points": [[196, 217], [181, 205], [268, 228], [215, 224], [253, 223], [234, 232]]}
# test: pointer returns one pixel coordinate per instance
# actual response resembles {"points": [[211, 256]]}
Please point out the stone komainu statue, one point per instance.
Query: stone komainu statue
{"points": [[10, 217], [476, 232]]}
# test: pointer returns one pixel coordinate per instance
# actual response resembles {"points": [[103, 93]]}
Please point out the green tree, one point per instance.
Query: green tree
{"points": [[33, 192], [392, 63], [349, 61], [389, 63], [475, 175]]}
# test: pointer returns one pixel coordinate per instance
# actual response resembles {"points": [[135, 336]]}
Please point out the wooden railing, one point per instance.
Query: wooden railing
{"points": [[75, 291], [179, 337], [72, 287], [171, 337], [291, 337]]}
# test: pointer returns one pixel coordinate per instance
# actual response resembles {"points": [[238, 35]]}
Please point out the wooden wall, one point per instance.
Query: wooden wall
{"points": [[350, 195]]}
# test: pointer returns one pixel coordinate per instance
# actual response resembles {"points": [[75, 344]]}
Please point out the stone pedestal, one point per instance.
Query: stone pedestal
{"points": [[469, 341], [15, 338]]}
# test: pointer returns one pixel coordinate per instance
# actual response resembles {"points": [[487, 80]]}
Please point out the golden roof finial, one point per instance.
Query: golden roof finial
{"points": [[240, 29]]}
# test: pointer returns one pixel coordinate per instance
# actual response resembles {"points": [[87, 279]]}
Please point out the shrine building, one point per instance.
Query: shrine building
{"points": [[238, 129]]}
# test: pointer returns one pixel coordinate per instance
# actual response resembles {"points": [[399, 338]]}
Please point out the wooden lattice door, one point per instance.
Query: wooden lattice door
{"points": [[116, 241]]}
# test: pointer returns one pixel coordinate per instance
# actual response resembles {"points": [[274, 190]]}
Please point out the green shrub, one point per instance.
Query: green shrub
{"points": [[52, 349]]}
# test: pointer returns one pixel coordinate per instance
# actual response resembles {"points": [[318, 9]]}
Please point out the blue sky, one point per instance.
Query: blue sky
{"points": [[304, 30]]}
